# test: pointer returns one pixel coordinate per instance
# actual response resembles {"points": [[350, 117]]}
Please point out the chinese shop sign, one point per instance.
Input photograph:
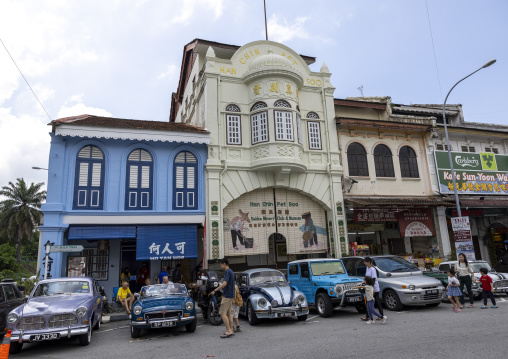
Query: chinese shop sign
{"points": [[463, 240], [475, 173], [375, 215], [416, 222]]}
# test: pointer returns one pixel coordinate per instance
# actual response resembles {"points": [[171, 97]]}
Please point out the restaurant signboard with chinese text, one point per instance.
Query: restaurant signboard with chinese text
{"points": [[475, 173], [413, 222], [166, 242], [463, 240]]}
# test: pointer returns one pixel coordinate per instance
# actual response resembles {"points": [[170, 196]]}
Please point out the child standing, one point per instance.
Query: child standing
{"points": [[235, 309], [487, 289], [369, 294], [453, 291]]}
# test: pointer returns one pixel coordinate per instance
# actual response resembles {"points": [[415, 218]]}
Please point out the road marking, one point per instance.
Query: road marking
{"points": [[312, 318], [108, 330], [199, 326]]}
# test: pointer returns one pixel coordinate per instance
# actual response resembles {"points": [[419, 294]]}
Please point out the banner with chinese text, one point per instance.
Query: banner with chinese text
{"points": [[166, 242], [463, 240], [416, 222]]}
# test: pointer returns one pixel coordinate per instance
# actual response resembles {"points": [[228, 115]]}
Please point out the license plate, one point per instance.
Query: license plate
{"points": [[433, 291], [286, 314], [40, 337], [354, 299], [163, 324]]}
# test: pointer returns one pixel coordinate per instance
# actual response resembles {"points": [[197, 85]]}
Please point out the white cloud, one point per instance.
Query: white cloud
{"points": [[281, 30], [186, 12], [171, 71], [82, 109]]}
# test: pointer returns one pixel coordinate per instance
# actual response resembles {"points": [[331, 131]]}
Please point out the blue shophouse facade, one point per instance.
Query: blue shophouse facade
{"points": [[130, 192]]}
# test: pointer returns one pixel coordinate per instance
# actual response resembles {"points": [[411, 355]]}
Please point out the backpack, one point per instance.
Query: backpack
{"points": [[238, 298]]}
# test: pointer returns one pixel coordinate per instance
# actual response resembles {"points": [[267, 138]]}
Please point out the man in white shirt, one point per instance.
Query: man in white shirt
{"points": [[371, 272]]}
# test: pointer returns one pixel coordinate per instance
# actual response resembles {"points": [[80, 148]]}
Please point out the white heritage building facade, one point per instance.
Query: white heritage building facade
{"points": [[273, 174]]}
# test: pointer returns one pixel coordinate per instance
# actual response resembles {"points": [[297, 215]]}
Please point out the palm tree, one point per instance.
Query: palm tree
{"points": [[20, 212]]}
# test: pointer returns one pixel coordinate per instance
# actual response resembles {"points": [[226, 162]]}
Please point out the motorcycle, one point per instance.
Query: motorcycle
{"points": [[209, 303]]}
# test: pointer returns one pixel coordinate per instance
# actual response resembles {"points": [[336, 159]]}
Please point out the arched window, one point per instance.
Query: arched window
{"points": [[383, 161], [313, 115], [257, 106], [185, 181], [89, 181], [408, 162], [139, 191], [281, 103], [357, 160], [259, 124], [233, 126]]}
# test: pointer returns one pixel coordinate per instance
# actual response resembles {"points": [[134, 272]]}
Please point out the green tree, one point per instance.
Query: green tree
{"points": [[20, 211]]}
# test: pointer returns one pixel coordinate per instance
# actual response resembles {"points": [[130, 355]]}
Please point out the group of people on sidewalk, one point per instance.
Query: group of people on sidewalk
{"points": [[463, 276]]}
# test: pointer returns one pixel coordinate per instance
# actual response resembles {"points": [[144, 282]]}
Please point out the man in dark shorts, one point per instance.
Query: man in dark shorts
{"points": [[227, 299]]}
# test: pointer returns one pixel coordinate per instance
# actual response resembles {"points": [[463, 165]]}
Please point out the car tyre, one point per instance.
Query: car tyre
{"points": [[97, 325], [361, 308], [324, 305], [251, 315], [392, 301], [135, 332], [85, 339], [302, 318], [15, 348], [191, 327]]}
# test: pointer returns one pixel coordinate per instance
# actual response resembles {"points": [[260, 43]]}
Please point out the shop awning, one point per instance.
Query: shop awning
{"points": [[360, 202], [101, 232], [166, 242], [485, 203]]}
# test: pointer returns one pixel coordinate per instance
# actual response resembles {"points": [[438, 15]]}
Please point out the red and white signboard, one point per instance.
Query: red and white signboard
{"points": [[463, 240], [416, 222]]}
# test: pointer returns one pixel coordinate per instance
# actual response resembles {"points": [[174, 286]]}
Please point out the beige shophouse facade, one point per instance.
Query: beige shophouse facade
{"points": [[273, 174]]}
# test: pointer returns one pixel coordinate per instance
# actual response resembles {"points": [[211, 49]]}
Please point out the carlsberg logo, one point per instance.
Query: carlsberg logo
{"points": [[466, 162]]}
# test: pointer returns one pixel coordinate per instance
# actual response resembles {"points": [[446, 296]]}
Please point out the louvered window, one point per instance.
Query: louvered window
{"points": [[492, 149], [139, 192], [89, 182], [299, 129], [185, 180], [314, 135], [259, 127], [234, 134], [467, 149], [441, 147], [283, 126]]}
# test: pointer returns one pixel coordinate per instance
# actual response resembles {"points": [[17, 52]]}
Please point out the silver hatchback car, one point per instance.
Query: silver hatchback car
{"points": [[400, 282]]}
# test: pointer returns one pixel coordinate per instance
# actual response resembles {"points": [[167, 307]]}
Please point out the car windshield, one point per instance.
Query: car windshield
{"points": [[325, 268], [395, 264], [157, 290], [476, 266], [267, 277], [63, 287]]}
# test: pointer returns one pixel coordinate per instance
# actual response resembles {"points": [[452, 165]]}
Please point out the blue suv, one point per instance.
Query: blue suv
{"points": [[326, 284]]}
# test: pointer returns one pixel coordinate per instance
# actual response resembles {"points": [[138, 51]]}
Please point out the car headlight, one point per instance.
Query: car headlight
{"points": [[411, 287], [137, 310], [215, 284], [274, 303], [262, 302], [299, 300], [338, 289], [81, 312], [12, 318], [189, 306]]}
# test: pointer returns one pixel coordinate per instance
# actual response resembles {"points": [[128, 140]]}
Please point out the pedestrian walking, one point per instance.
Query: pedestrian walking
{"points": [[453, 290], [235, 309], [369, 295], [372, 272], [487, 288], [228, 298], [465, 275], [162, 274]]}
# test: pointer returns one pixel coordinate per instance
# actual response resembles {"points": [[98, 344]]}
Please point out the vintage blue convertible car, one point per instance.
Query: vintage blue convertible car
{"points": [[162, 306], [57, 308], [266, 294]]}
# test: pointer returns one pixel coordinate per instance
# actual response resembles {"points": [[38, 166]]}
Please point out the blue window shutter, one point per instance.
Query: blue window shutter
{"points": [[139, 181], [89, 179], [185, 181], [101, 232]]}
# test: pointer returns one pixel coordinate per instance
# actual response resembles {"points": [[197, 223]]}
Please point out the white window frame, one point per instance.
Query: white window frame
{"points": [[283, 125], [233, 130], [259, 127], [314, 135]]}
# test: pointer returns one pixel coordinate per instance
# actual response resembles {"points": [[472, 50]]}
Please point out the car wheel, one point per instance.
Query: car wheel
{"points": [[479, 296], [191, 327], [97, 325], [324, 305], [15, 347], [302, 318], [361, 308], [251, 315], [214, 317], [392, 301], [433, 305], [135, 332], [85, 339]]}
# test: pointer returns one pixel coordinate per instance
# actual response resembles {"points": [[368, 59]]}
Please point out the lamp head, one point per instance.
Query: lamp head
{"points": [[491, 62]]}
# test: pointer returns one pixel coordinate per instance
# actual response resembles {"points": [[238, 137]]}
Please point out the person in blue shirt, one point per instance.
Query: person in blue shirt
{"points": [[371, 272], [162, 274], [144, 288], [228, 298]]}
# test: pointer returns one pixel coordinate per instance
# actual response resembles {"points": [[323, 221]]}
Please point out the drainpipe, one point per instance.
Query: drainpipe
{"points": [[219, 126]]}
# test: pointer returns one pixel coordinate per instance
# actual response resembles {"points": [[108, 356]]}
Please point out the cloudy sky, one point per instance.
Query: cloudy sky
{"points": [[122, 58]]}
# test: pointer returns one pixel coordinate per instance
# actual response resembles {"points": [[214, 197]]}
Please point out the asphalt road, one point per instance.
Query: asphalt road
{"points": [[419, 332]]}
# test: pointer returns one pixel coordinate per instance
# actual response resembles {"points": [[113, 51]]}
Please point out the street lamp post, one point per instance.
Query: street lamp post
{"points": [[456, 193]]}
